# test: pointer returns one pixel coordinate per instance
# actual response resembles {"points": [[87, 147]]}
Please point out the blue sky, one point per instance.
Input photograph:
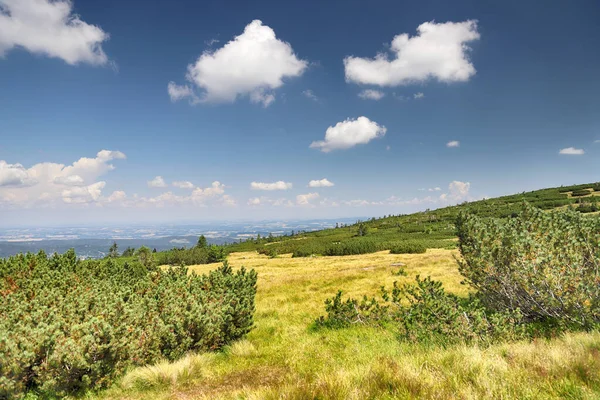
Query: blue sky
{"points": [[98, 99]]}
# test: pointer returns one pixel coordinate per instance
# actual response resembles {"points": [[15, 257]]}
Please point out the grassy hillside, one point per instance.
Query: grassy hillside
{"points": [[429, 229], [546, 262], [285, 358]]}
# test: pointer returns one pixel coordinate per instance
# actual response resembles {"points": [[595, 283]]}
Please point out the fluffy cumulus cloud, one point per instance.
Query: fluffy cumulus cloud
{"points": [[83, 194], [116, 196], [200, 197], [320, 183], [266, 201], [439, 51], [572, 151], [306, 199], [183, 184], [14, 175], [49, 27], [457, 191], [179, 92], [50, 183], [370, 94], [157, 182], [253, 64], [419, 95], [453, 143], [279, 185], [349, 133], [254, 201], [77, 185]]}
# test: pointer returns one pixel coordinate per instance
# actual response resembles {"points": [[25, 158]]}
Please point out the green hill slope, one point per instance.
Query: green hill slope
{"points": [[414, 232]]}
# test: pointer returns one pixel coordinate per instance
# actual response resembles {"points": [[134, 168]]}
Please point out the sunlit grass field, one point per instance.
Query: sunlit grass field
{"points": [[285, 358]]}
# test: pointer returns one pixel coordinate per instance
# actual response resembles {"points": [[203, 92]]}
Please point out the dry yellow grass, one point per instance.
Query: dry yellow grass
{"points": [[282, 358]]}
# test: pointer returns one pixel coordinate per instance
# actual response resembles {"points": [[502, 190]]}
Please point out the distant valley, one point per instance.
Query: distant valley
{"points": [[93, 242]]}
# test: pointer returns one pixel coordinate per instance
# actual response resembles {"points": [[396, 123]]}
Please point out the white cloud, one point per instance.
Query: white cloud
{"points": [[261, 96], [439, 51], [50, 28], [370, 94], [200, 195], [356, 203], [117, 196], [71, 180], [279, 185], [157, 182], [228, 201], [14, 175], [214, 194], [419, 95], [83, 194], [183, 184], [457, 191], [572, 151], [309, 94], [435, 189], [329, 203], [349, 133], [76, 185], [179, 92], [252, 64], [254, 201], [46, 183], [320, 183], [263, 200], [453, 143], [305, 199]]}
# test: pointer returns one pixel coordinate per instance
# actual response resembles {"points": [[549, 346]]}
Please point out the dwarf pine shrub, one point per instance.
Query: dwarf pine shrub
{"points": [[424, 312], [433, 315], [545, 264], [68, 325], [342, 314], [408, 247], [200, 254]]}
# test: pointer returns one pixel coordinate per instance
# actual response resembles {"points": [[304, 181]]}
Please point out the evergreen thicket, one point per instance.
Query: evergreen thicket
{"points": [[534, 273], [68, 325]]}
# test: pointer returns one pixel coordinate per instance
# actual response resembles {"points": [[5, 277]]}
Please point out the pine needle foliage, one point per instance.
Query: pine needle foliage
{"points": [[67, 325]]}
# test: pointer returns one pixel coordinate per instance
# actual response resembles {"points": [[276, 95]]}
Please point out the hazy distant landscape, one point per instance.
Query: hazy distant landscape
{"points": [[94, 242]]}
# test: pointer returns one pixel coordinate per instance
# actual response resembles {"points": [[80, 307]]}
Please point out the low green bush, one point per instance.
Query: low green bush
{"points": [[342, 314], [546, 264], [351, 247], [408, 247], [578, 193], [425, 312], [67, 325], [192, 256], [587, 208], [433, 315]]}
